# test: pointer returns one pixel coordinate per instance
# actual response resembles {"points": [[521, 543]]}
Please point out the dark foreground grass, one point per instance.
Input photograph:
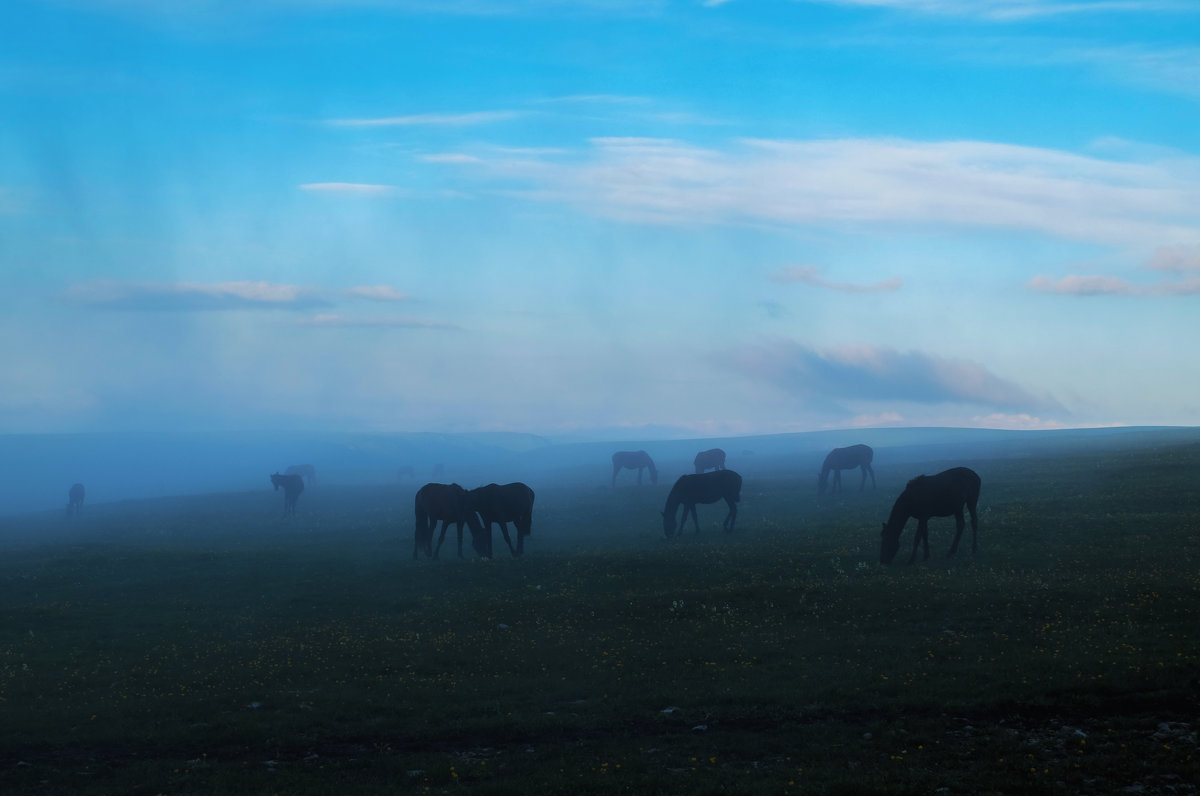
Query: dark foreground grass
{"points": [[205, 646]]}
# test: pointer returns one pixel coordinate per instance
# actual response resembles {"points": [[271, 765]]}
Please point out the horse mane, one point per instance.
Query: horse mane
{"points": [[913, 481]]}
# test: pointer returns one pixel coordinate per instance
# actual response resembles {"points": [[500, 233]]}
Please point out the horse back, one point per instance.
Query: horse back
{"points": [[943, 494]]}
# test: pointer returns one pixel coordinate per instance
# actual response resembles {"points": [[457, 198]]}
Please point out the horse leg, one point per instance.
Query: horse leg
{"points": [[922, 532], [959, 523], [640, 475], [837, 481], [863, 484], [974, 527], [442, 538], [868, 469], [616, 469], [460, 526], [695, 518], [507, 540], [731, 516], [524, 527]]}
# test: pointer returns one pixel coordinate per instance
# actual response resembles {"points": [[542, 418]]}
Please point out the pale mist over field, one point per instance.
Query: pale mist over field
{"points": [[508, 237]]}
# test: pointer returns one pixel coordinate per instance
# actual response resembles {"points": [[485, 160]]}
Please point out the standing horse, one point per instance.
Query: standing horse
{"points": [[926, 496], [713, 459], [702, 488], [633, 460], [846, 459], [75, 499], [305, 471], [448, 503], [504, 504], [292, 485]]}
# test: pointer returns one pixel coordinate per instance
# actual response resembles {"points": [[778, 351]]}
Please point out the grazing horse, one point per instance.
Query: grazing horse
{"points": [[702, 488], [292, 485], [846, 459], [305, 471], [75, 499], [633, 460], [713, 459], [448, 503], [926, 496], [504, 504]]}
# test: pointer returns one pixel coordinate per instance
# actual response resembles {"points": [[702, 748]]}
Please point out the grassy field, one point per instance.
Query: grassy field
{"points": [[204, 645]]}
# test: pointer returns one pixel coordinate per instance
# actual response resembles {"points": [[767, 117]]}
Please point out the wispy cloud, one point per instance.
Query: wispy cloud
{"points": [[192, 296], [1179, 264], [377, 293], [865, 181], [431, 119], [352, 188], [1017, 422], [447, 157], [1008, 9], [879, 374], [1176, 260], [809, 275], [335, 321], [1098, 285]]}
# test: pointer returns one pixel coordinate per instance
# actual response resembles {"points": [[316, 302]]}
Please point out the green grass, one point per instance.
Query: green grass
{"points": [[203, 645]]}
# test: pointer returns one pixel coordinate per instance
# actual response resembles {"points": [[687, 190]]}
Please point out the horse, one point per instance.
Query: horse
{"points": [[633, 460], [713, 459], [702, 488], [846, 459], [504, 504], [305, 471], [292, 485], [75, 499], [926, 496], [448, 503]]}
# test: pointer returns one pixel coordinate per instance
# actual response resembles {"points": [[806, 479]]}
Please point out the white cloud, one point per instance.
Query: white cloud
{"points": [[377, 293], [333, 321], [809, 275], [171, 296], [1017, 422], [430, 119], [866, 181], [447, 157], [355, 188], [1011, 9]]}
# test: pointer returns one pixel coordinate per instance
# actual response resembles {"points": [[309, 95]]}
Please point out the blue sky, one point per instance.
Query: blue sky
{"points": [[556, 216]]}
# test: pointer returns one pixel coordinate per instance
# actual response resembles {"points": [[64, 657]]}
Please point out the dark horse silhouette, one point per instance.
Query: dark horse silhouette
{"points": [[305, 471], [292, 485], [846, 459], [702, 488], [633, 460], [713, 459], [448, 503], [926, 496], [75, 499], [504, 504]]}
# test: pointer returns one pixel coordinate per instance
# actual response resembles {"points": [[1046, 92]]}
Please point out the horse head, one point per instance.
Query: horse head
{"points": [[275, 480]]}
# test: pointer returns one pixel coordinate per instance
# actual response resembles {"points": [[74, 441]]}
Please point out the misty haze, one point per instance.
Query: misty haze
{"points": [[589, 396]]}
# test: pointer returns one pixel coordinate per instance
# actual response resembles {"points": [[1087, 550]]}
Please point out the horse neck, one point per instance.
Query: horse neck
{"points": [[900, 512], [673, 501]]}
